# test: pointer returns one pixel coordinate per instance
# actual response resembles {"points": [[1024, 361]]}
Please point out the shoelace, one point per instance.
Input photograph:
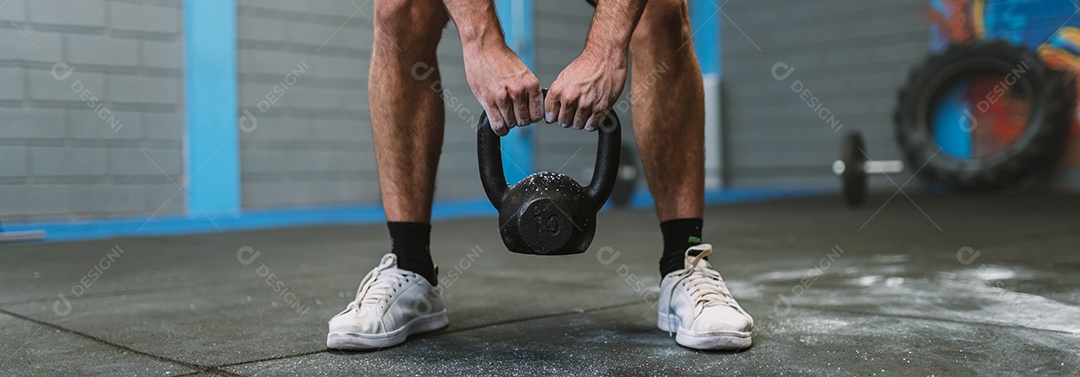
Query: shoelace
{"points": [[708, 288], [378, 286]]}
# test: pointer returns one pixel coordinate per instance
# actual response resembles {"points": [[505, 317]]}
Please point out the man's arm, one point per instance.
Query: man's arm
{"points": [[613, 24], [587, 89], [506, 89]]}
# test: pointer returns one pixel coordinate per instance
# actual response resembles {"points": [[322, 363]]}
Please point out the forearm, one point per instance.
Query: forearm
{"points": [[477, 23], [613, 25]]}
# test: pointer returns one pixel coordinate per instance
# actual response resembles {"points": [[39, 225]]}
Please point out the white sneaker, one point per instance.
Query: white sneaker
{"points": [[390, 305], [697, 306]]}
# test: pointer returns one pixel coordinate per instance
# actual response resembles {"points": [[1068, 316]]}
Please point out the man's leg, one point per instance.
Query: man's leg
{"points": [[407, 122], [669, 123], [668, 106]]}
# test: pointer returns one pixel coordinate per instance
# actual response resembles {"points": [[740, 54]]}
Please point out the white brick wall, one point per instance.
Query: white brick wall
{"points": [[29, 45], [60, 159], [89, 13], [14, 159], [851, 54], [314, 146], [12, 84], [143, 18], [289, 160]]}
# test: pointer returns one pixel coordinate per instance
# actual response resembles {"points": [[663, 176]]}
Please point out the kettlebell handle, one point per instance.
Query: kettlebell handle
{"points": [[605, 171], [489, 156]]}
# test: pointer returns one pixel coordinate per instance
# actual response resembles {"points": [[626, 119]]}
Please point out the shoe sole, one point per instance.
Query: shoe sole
{"points": [[715, 341], [360, 342]]}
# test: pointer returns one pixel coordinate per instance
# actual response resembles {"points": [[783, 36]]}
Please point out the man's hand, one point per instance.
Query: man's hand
{"points": [[506, 89], [586, 90]]}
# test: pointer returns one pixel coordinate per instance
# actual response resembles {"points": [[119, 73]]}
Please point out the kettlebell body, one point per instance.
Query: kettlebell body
{"points": [[548, 213]]}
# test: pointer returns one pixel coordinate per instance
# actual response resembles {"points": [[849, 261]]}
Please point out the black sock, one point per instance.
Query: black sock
{"points": [[679, 235], [411, 242]]}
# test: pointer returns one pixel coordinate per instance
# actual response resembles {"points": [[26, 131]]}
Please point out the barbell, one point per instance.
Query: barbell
{"points": [[854, 168]]}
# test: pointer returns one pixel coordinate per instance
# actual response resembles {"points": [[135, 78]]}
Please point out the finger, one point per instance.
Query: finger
{"points": [[595, 120], [583, 114], [536, 104], [506, 109], [521, 108], [495, 119], [566, 115], [552, 107]]}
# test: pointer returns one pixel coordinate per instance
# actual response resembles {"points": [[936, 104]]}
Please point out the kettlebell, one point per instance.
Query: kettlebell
{"points": [[548, 213]]}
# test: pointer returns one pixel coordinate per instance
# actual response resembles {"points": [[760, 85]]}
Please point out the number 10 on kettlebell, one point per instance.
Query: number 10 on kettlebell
{"points": [[548, 213]]}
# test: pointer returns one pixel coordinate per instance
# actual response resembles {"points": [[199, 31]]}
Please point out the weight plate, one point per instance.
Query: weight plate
{"points": [[853, 154]]}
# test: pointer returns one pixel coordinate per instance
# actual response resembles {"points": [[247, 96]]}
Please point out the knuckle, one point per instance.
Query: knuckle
{"points": [[578, 101], [515, 90], [502, 96]]}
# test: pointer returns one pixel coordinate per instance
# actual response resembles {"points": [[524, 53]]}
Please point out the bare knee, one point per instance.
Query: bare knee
{"points": [[663, 21], [416, 23]]}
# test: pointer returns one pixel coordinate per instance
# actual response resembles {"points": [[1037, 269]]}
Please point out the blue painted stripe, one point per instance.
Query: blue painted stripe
{"points": [[642, 199], [336, 215], [249, 220], [210, 94], [516, 17], [705, 24]]}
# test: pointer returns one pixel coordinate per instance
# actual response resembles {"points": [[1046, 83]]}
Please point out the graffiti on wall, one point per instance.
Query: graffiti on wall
{"points": [[1050, 27]]}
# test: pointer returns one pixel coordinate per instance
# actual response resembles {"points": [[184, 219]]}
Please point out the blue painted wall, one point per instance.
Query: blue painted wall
{"points": [[705, 22], [213, 161], [517, 146]]}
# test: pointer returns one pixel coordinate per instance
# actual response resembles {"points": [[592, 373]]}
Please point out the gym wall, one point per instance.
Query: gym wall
{"points": [[70, 140], [313, 144], [72, 146], [850, 55]]}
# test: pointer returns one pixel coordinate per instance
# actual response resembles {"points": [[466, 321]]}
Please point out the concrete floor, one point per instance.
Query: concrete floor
{"points": [[983, 285]]}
